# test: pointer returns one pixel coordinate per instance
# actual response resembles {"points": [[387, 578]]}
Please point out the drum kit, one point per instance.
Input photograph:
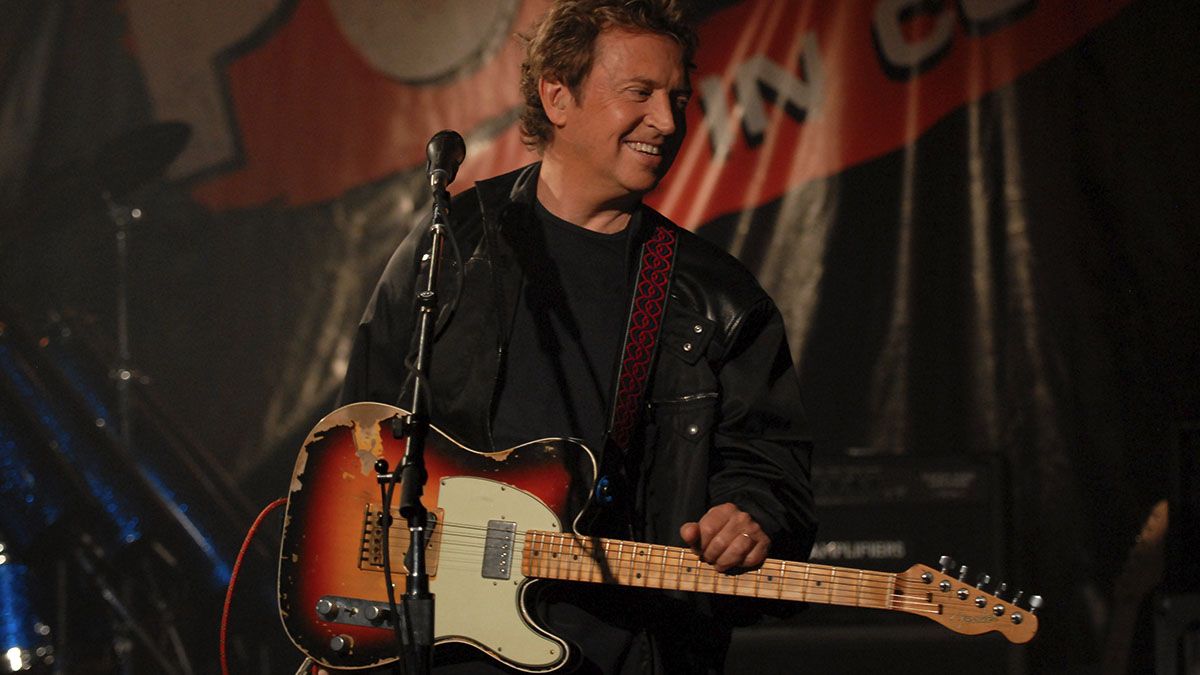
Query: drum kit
{"points": [[82, 513]]}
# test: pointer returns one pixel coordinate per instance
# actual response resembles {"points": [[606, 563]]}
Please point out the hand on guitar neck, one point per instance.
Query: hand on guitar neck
{"points": [[727, 537]]}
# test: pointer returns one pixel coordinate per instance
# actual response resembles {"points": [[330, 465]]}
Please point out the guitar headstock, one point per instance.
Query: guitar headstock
{"points": [[963, 605]]}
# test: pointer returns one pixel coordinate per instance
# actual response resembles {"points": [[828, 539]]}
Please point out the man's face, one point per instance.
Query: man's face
{"points": [[623, 132]]}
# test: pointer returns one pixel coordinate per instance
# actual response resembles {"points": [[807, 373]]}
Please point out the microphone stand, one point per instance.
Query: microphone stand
{"points": [[418, 603]]}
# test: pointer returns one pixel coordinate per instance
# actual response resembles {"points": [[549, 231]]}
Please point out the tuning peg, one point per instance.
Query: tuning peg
{"points": [[962, 573], [1017, 598], [1035, 603], [983, 580], [1001, 590], [947, 564]]}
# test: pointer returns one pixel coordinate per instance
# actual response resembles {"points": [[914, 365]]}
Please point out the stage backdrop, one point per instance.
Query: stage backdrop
{"points": [[977, 216]]}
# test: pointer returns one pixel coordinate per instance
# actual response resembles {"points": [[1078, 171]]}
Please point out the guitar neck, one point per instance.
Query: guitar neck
{"points": [[556, 555]]}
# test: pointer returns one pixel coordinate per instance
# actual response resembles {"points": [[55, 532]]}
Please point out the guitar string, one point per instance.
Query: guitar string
{"points": [[656, 552], [832, 586], [470, 543], [918, 604]]}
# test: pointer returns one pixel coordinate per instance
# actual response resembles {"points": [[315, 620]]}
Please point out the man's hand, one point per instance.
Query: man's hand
{"points": [[727, 537]]}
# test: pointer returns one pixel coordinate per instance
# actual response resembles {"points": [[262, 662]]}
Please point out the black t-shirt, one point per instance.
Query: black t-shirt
{"points": [[567, 333]]}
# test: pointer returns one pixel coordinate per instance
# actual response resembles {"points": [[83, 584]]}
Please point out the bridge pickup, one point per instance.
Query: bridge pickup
{"points": [[498, 548]]}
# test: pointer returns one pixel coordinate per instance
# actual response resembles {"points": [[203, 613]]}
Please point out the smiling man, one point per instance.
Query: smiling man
{"points": [[583, 313]]}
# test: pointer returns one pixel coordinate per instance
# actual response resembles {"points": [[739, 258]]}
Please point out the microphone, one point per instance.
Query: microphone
{"points": [[446, 150]]}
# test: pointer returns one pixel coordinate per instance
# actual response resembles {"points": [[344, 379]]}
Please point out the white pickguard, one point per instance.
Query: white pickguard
{"points": [[489, 613]]}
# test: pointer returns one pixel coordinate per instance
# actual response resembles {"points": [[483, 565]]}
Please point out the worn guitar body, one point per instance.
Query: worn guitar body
{"points": [[331, 537], [497, 528]]}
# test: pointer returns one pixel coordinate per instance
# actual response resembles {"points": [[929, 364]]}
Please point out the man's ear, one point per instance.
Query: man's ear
{"points": [[555, 96]]}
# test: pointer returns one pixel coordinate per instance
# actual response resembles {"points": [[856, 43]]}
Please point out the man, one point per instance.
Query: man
{"points": [[719, 457]]}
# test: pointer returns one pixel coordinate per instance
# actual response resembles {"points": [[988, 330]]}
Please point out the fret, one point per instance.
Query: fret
{"points": [[536, 553], [619, 568], [832, 574], [890, 600], [858, 591], [679, 571], [555, 563], [637, 566], [663, 568], [589, 569], [757, 581], [783, 577], [568, 557], [543, 559], [565, 548]]}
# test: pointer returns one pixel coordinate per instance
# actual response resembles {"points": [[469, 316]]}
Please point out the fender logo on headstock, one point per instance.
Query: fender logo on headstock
{"points": [[977, 619]]}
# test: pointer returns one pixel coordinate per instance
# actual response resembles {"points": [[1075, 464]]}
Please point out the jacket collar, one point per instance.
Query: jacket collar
{"points": [[508, 199]]}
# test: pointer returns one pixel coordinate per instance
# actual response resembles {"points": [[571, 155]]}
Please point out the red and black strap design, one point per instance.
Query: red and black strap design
{"points": [[641, 335]]}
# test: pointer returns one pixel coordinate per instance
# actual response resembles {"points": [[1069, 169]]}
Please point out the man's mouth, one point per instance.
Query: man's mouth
{"points": [[644, 148]]}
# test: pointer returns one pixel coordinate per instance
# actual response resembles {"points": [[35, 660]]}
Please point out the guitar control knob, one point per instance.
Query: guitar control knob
{"points": [[376, 614], [962, 573], [327, 608], [1035, 603], [947, 564], [341, 644], [983, 580]]}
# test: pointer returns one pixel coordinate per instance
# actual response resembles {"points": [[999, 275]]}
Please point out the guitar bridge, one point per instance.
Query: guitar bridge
{"points": [[371, 551]]}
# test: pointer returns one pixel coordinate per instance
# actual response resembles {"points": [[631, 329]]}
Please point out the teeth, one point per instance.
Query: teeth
{"points": [[645, 147]]}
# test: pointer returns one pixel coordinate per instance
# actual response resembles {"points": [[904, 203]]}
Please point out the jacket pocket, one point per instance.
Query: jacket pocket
{"points": [[689, 416]]}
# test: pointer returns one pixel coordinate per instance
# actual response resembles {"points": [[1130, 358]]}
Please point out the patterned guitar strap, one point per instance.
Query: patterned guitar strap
{"points": [[646, 312]]}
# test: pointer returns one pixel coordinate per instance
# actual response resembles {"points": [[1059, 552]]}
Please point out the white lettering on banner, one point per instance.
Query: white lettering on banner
{"points": [[900, 56], [903, 59], [887, 549], [178, 45], [759, 79]]}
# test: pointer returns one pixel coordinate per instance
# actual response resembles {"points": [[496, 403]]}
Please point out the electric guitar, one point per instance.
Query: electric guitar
{"points": [[496, 521]]}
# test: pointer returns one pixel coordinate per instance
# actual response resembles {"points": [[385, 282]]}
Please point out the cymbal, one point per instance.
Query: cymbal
{"points": [[136, 157], [123, 164]]}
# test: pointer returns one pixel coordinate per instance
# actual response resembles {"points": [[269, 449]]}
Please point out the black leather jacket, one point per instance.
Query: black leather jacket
{"points": [[724, 422]]}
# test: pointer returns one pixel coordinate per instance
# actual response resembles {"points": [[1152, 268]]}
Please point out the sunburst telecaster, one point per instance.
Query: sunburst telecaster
{"points": [[497, 530]]}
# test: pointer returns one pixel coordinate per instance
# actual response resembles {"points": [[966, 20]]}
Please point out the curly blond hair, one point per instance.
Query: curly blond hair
{"points": [[561, 46]]}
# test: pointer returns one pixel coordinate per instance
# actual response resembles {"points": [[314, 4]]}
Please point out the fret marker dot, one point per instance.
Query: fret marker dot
{"points": [[770, 578]]}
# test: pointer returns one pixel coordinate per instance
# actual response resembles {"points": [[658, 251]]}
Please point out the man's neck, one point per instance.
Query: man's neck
{"points": [[572, 202]]}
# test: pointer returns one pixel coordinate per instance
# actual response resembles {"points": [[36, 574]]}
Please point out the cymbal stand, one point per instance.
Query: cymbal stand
{"points": [[123, 217]]}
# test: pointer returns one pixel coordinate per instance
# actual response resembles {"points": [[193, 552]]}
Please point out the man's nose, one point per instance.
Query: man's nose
{"points": [[662, 114]]}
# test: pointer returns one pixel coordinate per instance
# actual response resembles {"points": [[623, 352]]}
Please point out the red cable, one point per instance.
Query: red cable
{"points": [[233, 577]]}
